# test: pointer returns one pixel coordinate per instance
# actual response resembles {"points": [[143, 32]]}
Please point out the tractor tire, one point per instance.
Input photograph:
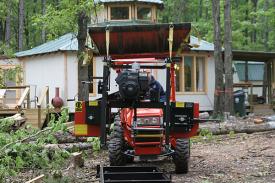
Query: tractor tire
{"points": [[181, 156], [117, 131], [116, 145], [116, 156]]}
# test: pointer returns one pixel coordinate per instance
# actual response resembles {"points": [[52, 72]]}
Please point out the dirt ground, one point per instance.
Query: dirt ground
{"points": [[227, 158], [223, 158]]}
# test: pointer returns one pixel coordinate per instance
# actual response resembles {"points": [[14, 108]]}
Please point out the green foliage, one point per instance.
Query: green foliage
{"points": [[206, 134], [10, 74], [59, 124], [17, 154], [232, 134], [96, 143], [247, 21], [62, 19]]}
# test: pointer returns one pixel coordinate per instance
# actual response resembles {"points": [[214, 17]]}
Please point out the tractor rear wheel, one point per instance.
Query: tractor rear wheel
{"points": [[182, 155], [116, 145]]}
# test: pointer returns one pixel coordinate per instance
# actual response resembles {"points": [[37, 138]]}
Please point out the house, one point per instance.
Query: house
{"points": [[54, 64], [255, 75]]}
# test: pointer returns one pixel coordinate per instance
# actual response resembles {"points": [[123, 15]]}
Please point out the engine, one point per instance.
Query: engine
{"points": [[133, 85]]}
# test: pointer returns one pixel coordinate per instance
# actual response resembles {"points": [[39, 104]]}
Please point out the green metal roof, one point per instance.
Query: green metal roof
{"points": [[255, 71], [67, 42]]}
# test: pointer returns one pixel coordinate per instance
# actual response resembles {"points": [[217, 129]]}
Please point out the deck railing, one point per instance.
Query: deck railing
{"points": [[43, 95], [25, 96]]}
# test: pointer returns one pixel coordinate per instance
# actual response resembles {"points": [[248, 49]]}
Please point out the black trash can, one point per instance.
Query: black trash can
{"points": [[239, 103]]}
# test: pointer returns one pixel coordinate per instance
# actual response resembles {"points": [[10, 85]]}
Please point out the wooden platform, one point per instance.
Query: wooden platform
{"points": [[32, 117], [263, 109]]}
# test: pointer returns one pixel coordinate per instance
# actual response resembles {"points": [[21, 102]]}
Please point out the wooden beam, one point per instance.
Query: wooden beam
{"points": [[36, 179], [42, 96], [23, 97]]}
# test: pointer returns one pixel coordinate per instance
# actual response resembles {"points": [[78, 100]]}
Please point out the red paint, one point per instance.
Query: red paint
{"points": [[173, 84], [147, 150], [138, 39], [80, 118], [196, 110]]}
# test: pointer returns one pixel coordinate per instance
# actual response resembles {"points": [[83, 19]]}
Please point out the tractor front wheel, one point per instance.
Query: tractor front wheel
{"points": [[116, 145], [182, 155]]}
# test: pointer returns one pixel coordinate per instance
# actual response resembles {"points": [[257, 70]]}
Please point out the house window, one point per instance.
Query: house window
{"points": [[190, 77], [144, 13], [200, 74], [120, 13], [188, 73]]}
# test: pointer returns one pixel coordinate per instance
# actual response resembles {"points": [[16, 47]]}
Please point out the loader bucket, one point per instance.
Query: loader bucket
{"points": [[135, 39], [119, 174]]}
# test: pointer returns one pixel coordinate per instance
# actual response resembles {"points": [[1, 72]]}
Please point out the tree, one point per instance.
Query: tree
{"points": [[218, 99], [21, 25], [83, 89], [43, 33], [228, 94], [8, 25]]}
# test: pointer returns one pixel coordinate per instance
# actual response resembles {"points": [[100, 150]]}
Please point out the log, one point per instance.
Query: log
{"points": [[70, 146], [238, 127], [67, 137], [18, 121]]}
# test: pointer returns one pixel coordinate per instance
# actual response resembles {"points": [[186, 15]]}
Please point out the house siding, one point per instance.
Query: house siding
{"points": [[206, 100], [44, 70]]}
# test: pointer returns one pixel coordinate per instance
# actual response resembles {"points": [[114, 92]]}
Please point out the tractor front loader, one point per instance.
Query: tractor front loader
{"points": [[142, 125]]}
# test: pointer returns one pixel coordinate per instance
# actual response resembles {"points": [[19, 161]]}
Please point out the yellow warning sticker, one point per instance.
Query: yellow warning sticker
{"points": [[78, 106], [179, 104], [81, 129], [168, 65], [93, 103]]}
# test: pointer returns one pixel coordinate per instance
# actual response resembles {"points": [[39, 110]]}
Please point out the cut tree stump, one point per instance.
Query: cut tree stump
{"points": [[77, 160]]}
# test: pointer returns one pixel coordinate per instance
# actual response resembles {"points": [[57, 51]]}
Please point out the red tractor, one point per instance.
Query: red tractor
{"points": [[143, 125]]}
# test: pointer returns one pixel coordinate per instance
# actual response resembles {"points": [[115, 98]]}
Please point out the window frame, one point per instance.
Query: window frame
{"points": [[194, 77], [144, 6], [119, 6]]}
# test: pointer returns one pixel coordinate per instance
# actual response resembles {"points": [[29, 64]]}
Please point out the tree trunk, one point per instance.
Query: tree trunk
{"points": [[8, 25], [2, 31], [83, 89], [80, 146], [266, 29], [266, 47], [21, 25], [200, 9], [43, 33], [238, 127], [26, 28], [228, 98], [246, 19], [253, 21], [218, 99]]}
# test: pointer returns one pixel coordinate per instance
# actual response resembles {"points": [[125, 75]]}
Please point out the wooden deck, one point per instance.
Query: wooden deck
{"points": [[35, 116], [32, 115], [263, 109]]}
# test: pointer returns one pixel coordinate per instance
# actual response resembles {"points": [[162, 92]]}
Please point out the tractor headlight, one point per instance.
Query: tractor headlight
{"points": [[149, 121]]}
